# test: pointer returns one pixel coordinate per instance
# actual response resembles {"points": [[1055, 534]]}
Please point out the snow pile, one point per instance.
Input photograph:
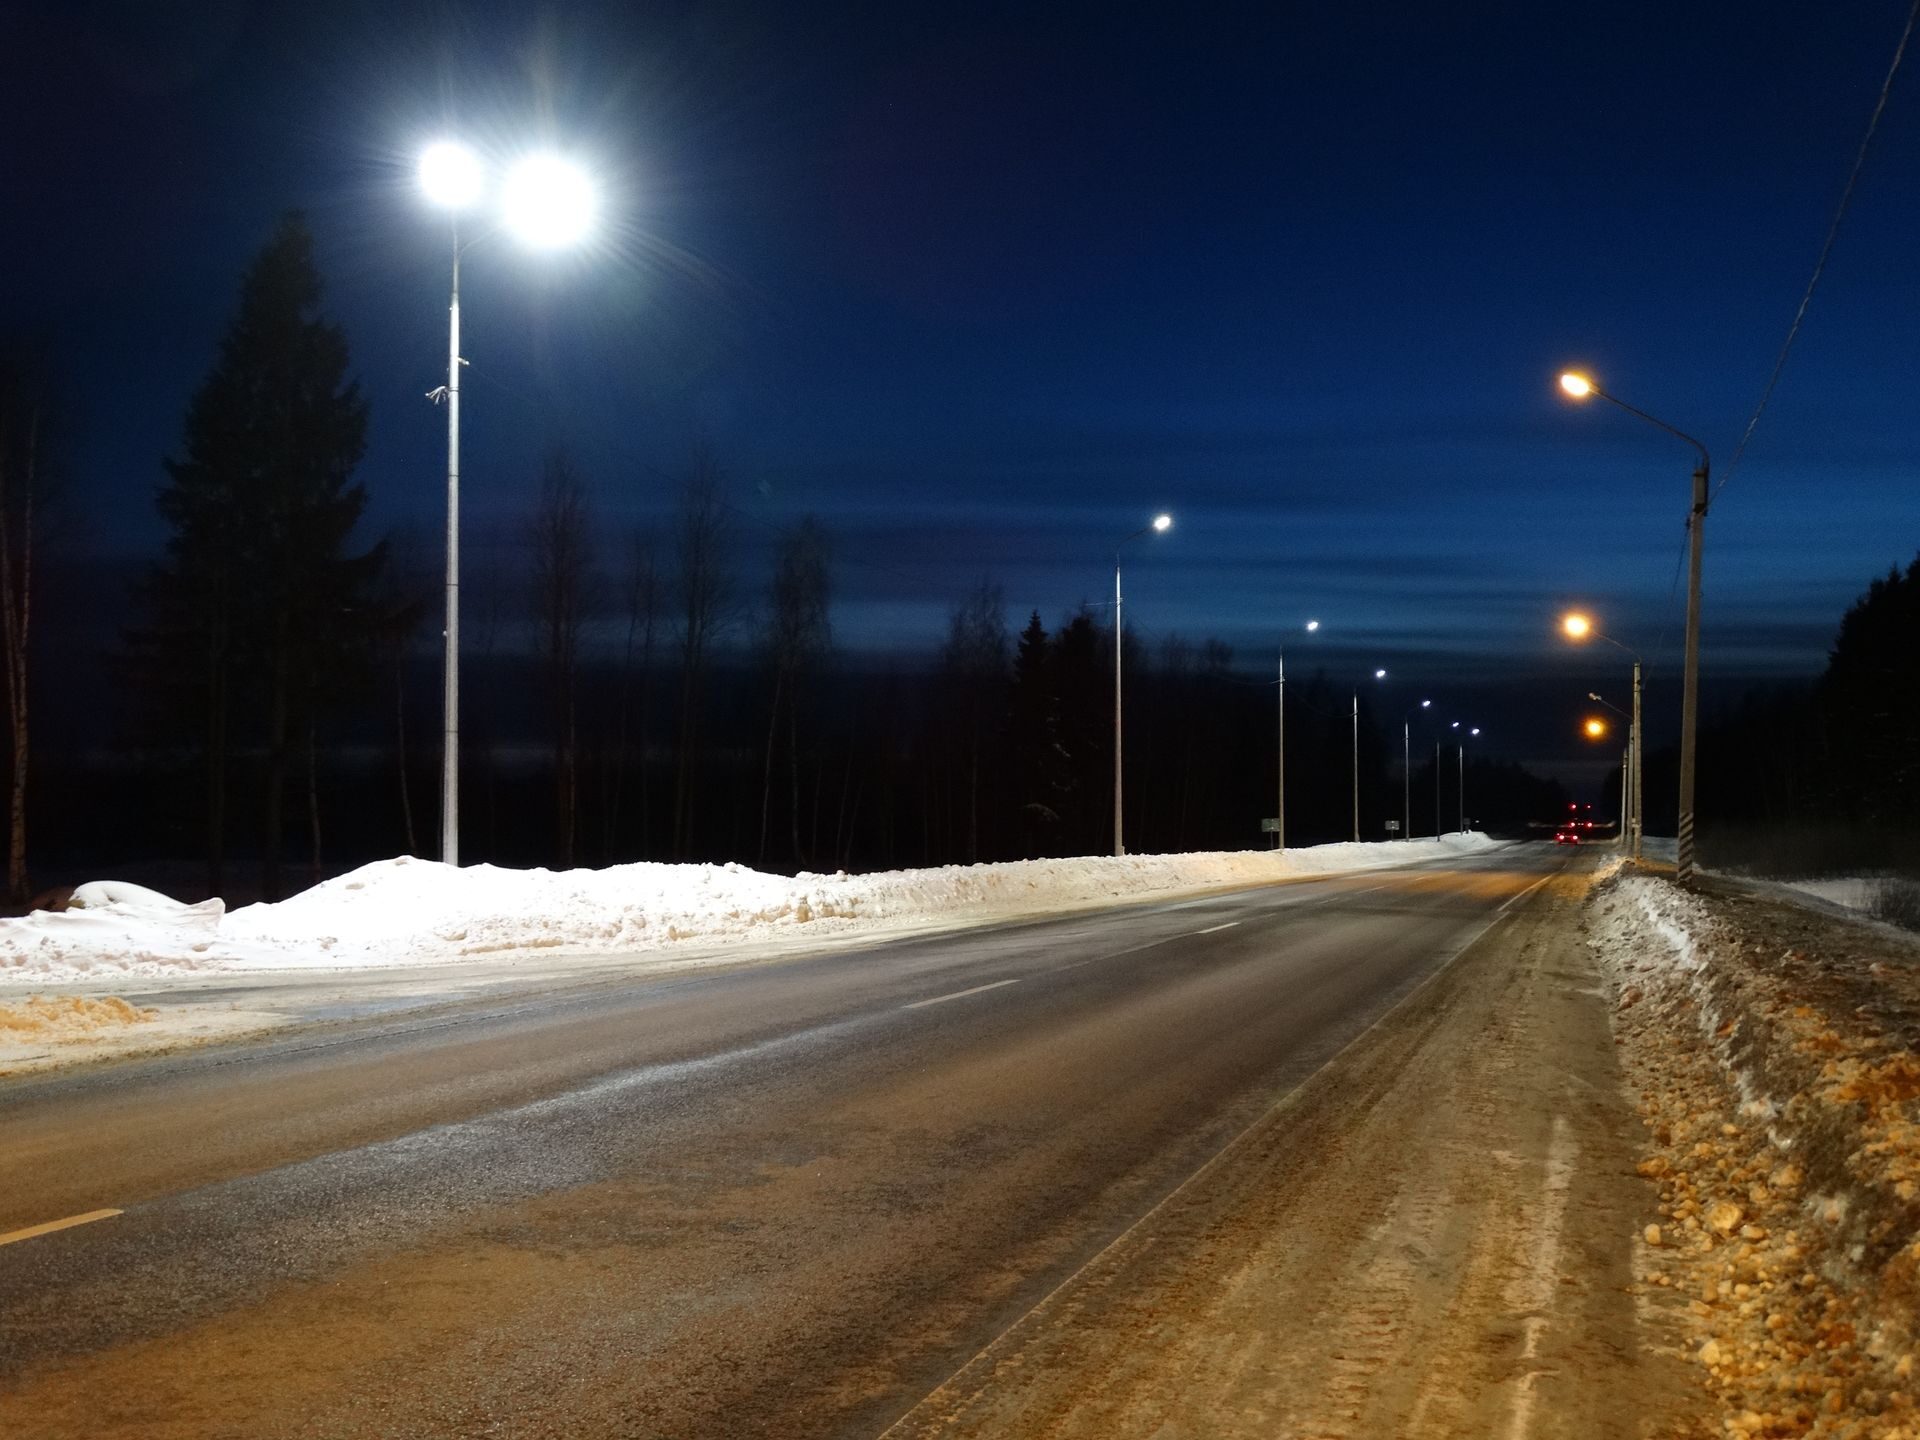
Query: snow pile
{"points": [[407, 911], [1774, 1051], [41, 1018]]}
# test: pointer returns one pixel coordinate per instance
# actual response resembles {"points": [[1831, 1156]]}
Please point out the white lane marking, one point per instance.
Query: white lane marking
{"points": [[12, 1236], [1516, 899], [1215, 929], [1543, 1271], [962, 994]]}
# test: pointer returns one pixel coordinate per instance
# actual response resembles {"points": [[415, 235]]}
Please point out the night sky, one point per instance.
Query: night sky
{"points": [[985, 286]]}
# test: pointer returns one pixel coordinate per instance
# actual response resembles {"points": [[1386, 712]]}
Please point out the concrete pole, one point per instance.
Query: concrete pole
{"points": [[1639, 747], [1690, 696]]}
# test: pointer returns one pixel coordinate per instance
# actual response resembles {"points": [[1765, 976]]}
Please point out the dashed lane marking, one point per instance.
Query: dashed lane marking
{"points": [[1213, 929], [962, 994], [11, 1236]]}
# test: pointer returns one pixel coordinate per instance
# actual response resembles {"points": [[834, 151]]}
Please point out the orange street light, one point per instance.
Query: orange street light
{"points": [[1595, 727]]}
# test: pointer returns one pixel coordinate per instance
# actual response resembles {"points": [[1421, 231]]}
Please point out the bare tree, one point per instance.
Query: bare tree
{"points": [[704, 594], [799, 632], [24, 428], [642, 596], [562, 580]]}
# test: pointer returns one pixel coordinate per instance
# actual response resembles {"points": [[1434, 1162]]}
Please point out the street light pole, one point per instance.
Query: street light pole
{"points": [[548, 202], [1690, 689], [450, 740], [1639, 742], [1580, 386], [1160, 523], [1406, 768], [1280, 809], [1119, 842], [1356, 766]]}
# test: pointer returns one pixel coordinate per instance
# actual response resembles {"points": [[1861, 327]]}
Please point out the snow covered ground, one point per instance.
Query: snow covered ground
{"points": [[1774, 1051], [418, 912]]}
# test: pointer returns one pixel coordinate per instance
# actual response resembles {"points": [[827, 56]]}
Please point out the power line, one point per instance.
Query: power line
{"points": [[1826, 248]]}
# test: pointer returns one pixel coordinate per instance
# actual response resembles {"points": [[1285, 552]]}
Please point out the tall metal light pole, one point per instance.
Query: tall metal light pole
{"points": [[1378, 675], [548, 203], [1580, 627], [1460, 757], [1406, 767], [1160, 523], [1280, 796], [1280, 805], [1595, 729], [1579, 387]]}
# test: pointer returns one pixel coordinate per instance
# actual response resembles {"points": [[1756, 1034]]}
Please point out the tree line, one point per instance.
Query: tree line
{"points": [[626, 695]]}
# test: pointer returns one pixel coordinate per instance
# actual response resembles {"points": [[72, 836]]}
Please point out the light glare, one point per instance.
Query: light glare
{"points": [[1312, 625], [1596, 728], [1162, 522], [450, 175], [1379, 674], [548, 201], [1576, 385], [1577, 626]]}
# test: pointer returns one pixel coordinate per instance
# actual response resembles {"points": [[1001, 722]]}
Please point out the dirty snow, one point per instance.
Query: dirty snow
{"points": [[416, 912], [1774, 1052]]}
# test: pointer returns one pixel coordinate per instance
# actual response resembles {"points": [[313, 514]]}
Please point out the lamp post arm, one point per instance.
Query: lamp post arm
{"points": [[1655, 420], [1610, 705]]}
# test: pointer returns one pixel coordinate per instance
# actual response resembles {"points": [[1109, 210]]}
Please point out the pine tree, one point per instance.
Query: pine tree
{"points": [[260, 607]]}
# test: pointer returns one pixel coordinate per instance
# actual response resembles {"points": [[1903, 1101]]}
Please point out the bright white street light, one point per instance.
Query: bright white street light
{"points": [[1312, 625], [1379, 674], [450, 174], [548, 201], [1163, 522]]}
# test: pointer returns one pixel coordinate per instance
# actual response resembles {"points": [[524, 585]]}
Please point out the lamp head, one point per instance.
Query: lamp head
{"points": [[548, 201], [1379, 674], [1577, 626], [1595, 727], [1474, 731], [1163, 522], [450, 174], [1577, 386], [1424, 704], [1312, 625]]}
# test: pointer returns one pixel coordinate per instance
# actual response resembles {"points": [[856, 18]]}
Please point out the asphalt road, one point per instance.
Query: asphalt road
{"points": [[782, 1199]]}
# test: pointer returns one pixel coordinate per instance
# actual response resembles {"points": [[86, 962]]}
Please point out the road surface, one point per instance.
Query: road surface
{"points": [[790, 1199]]}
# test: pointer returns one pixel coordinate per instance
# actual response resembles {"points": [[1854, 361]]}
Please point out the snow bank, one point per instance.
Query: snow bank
{"points": [[1775, 1054], [415, 912]]}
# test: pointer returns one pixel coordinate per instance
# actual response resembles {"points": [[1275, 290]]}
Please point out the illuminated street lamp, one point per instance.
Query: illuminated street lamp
{"points": [[1377, 675], [1280, 810], [1595, 727], [1626, 759], [547, 202], [1460, 759], [1406, 767], [1161, 523], [1579, 627], [1579, 387]]}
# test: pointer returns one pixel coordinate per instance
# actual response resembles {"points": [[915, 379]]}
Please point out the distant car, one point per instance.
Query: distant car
{"points": [[1566, 837]]}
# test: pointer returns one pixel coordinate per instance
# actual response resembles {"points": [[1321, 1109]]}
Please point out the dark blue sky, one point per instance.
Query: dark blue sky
{"points": [[986, 285]]}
